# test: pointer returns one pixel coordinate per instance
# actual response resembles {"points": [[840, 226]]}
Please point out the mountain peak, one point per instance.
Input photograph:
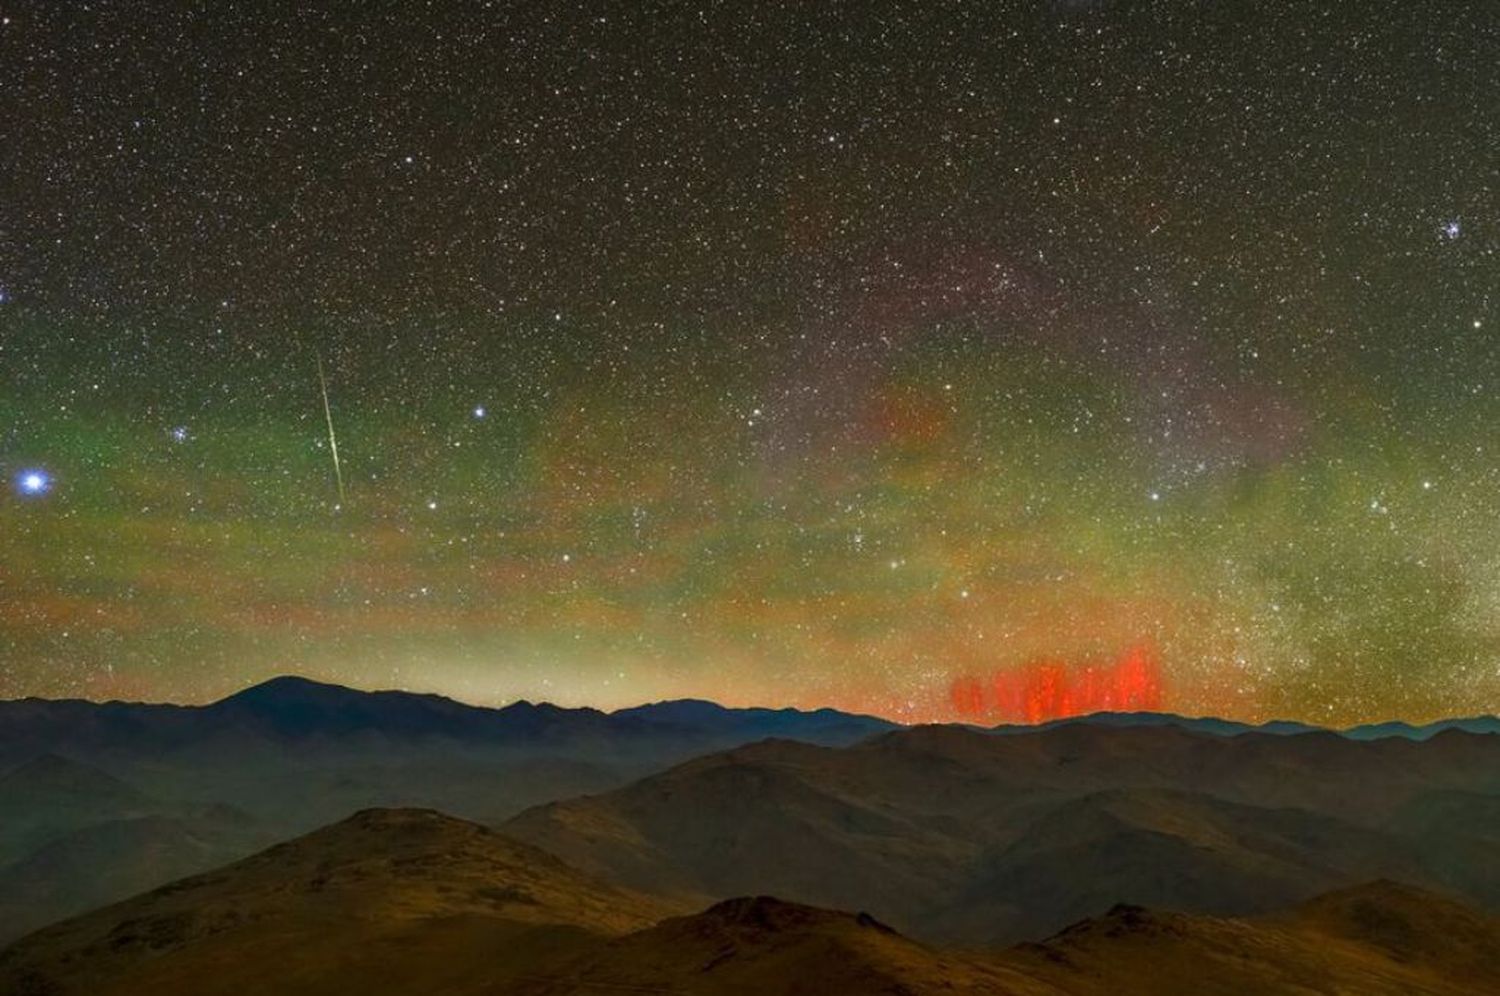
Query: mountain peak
{"points": [[1409, 924], [408, 874], [53, 773], [1393, 898], [300, 707], [765, 913], [387, 818], [290, 687]]}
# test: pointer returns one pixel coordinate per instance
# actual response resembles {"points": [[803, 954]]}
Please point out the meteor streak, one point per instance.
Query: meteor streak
{"points": [[333, 441]]}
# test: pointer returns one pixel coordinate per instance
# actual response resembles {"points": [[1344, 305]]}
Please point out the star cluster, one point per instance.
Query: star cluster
{"points": [[875, 356]]}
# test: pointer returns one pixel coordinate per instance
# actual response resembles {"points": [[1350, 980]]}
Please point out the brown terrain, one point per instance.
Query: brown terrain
{"points": [[411, 901], [387, 901], [1079, 859], [957, 836], [1379, 939], [764, 945]]}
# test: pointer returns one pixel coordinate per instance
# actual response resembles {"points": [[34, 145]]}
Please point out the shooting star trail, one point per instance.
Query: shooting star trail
{"points": [[333, 441]]}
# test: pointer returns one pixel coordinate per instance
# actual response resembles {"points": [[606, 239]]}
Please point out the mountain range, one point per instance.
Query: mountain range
{"points": [[950, 839], [296, 753], [412, 901], [297, 712], [958, 836], [101, 800]]}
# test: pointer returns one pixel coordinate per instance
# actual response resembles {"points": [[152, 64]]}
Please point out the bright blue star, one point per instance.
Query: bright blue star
{"points": [[1452, 229], [33, 483], [479, 411]]}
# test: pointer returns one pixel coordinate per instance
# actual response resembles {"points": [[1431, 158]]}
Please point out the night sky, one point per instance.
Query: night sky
{"points": [[985, 360]]}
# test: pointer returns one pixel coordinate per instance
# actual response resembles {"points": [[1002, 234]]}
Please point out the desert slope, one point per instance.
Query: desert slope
{"points": [[387, 901], [74, 837], [1377, 939], [754, 945], [956, 835], [101, 800], [413, 901], [106, 862]]}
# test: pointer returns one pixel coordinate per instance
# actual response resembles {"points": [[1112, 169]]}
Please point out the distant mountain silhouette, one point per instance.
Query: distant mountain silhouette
{"points": [[825, 726], [1202, 724], [293, 710], [51, 794], [1231, 728], [73, 837], [1473, 724], [55, 777], [104, 862], [297, 753]]}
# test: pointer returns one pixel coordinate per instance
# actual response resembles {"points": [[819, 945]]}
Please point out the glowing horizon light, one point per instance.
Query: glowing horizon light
{"points": [[1047, 689]]}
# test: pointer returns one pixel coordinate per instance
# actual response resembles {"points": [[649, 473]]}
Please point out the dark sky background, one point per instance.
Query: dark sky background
{"points": [[996, 360]]}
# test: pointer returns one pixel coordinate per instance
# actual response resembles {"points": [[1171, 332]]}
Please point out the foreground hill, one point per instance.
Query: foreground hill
{"points": [[408, 901], [1379, 939], [387, 901], [956, 835], [764, 945]]}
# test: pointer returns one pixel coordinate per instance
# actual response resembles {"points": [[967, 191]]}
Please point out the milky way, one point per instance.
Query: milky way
{"points": [[873, 355]]}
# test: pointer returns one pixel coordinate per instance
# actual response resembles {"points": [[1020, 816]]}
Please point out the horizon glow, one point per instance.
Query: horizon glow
{"points": [[931, 380]]}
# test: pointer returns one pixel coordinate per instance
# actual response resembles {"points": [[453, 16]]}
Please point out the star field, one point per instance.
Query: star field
{"points": [[866, 355]]}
